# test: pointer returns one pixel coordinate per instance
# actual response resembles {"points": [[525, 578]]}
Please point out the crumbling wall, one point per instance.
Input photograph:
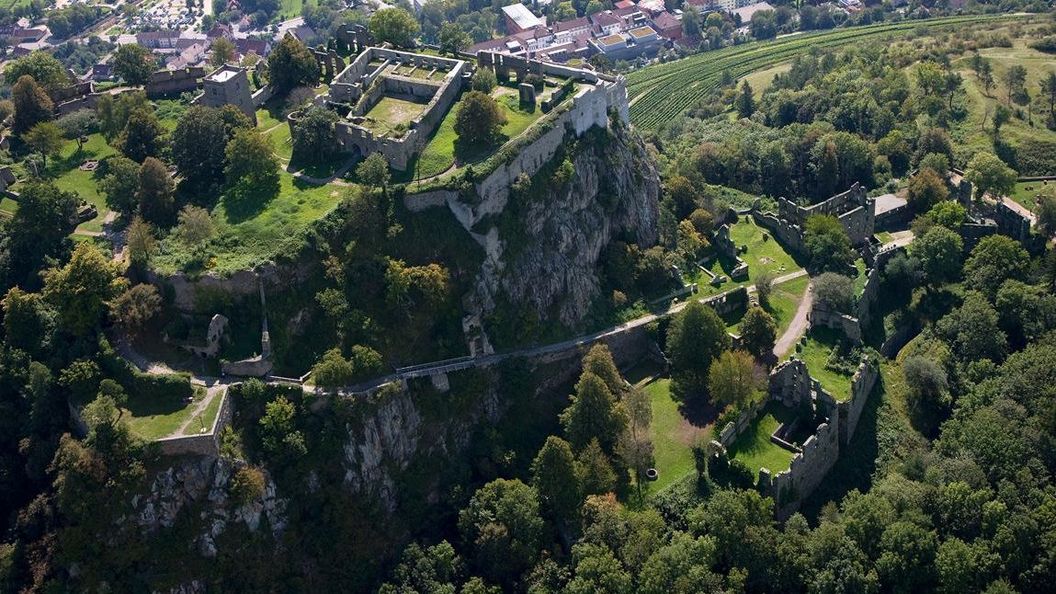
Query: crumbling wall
{"points": [[806, 471], [204, 444]]}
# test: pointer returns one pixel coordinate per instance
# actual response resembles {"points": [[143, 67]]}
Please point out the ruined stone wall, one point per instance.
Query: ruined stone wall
{"points": [[806, 471], [789, 234], [173, 82], [204, 444], [186, 291], [822, 315], [861, 387], [736, 427], [855, 211], [791, 384]]}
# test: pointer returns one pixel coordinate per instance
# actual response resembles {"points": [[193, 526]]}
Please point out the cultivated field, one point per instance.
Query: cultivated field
{"points": [[662, 92]]}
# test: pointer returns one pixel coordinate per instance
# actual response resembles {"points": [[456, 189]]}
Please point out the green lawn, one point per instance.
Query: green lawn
{"points": [[784, 300], [760, 80], [884, 236], [815, 353], [672, 434], [8, 207], [754, 448], [281, 142], [391, 116], [65, 170], [254, 233], [266, 120], [152, 419], [439, 154], [1025, 193], [973, 134], [764, 254], [859, 280]]}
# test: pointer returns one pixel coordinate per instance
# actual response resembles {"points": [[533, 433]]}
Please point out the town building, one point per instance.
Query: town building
{"points": [[519, 18]]}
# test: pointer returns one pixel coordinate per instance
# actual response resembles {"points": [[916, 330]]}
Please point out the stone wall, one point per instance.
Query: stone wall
{"points": [[165, 83], [790, 236], [736, 427], [805, 472], [854, 209], [725, 246], [204, 444], [186, 291], [823, 315]]}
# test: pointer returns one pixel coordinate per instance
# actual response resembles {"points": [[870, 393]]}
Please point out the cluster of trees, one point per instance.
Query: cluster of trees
{"points": [[72, 19]]}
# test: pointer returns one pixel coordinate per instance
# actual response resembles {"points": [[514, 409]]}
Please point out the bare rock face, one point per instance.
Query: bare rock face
{"points": [[552, 264], [202, 485], [394, 434]]}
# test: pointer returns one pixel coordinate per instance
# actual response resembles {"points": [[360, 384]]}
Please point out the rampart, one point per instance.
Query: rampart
{"points": [[204, 444], [854, 209], [165, 83], [791, 385]]}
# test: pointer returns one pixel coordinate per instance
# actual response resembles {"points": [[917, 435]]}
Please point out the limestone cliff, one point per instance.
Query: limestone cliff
{"points": [[543, 241]]}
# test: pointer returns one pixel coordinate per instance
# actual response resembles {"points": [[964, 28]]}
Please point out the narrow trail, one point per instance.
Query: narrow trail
{"points": [[798, 327]]}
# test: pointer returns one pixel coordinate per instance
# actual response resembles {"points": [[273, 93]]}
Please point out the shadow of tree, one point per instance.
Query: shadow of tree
{"points": [[244, 201]]}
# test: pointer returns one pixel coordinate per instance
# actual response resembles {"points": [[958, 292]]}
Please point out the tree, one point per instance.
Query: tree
{"points": [[29, 322], [986, 76], [1046, 212], [1048, 90], [136, 306], [155, 191], [32, 104], [502, 527], [252, 169], [745, 101], [732, 380], [42, 67], [38, 230], [453, 39], [827, 244], [394, 25], [994, 260], [112, 112], [120, 184], [484, 80], [142, 136], [926, 189], [46, 139], [758, 332], [834, 290], [635, 447], [315, 135], [596, 474], [691, 26], [290, 65], [247, 484], [140, 241], [697, 337], [555, 479], [374, 171], [936, 162], [1002, 115], [223, 51], [278, 430], [334, 371], [134, 63], [939, 252], [763, 25], [195, 227], [479, 121], [199, 144], [972, 330], [80, 290], [927, 388], [989, 174], [77, 126], [593, 414], [1014, 78], [764, 286]]}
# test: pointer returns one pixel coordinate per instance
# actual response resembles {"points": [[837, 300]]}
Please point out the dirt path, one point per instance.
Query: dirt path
{"points": [[798, 327], [189, 427]]}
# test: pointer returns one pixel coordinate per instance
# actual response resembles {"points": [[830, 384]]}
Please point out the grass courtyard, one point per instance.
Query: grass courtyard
{"points": [[754, 448], [391, 116], [151, 418], [818, 345], [442, 152], [1025, 193], [673, 435], [64, 169], [764, 254]]}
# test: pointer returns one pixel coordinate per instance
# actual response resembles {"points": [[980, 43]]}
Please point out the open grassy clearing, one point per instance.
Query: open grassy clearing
{"points": [[253, 233], [784, 300], [66, 173], [974, 133], [815, 353], [764, 254], [391, 116], [761, 80], [860, 278], [442, 151], [754, 448], [152, 418], [672, 434], [661, 92], [1025, 193]]}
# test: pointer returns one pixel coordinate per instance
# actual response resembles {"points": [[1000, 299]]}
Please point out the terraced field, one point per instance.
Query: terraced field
{"points": [[662, 92]]}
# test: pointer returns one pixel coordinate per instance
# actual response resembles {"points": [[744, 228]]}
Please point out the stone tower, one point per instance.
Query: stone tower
{"points": [[229, 85]]}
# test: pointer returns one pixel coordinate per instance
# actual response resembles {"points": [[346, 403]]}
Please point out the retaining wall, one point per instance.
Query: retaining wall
{"points": [[205, 444]]}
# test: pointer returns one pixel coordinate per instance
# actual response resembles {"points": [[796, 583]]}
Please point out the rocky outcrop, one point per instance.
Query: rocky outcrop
{"points": [[546, 258], [385, 440], [201, 485]]}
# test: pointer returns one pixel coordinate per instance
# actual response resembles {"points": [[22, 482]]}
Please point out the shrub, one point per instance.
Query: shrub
{"points": [[247, 485]]}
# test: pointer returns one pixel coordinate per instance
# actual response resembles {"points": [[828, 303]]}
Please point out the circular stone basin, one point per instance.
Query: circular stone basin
{"points": [[652, 474]]}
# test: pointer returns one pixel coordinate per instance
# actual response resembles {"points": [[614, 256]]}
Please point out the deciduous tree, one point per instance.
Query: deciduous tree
{"points": [[478, 120], [732, 380], [758, 333], [155, 193], [394, 25], [80, 290], [555, 478], [827, 244], [290, 65], [46, 139], [32, 104], [697, 337], [134, 63]]}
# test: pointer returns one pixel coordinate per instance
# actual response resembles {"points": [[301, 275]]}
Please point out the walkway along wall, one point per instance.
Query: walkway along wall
{"points": [[204, 444]]}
